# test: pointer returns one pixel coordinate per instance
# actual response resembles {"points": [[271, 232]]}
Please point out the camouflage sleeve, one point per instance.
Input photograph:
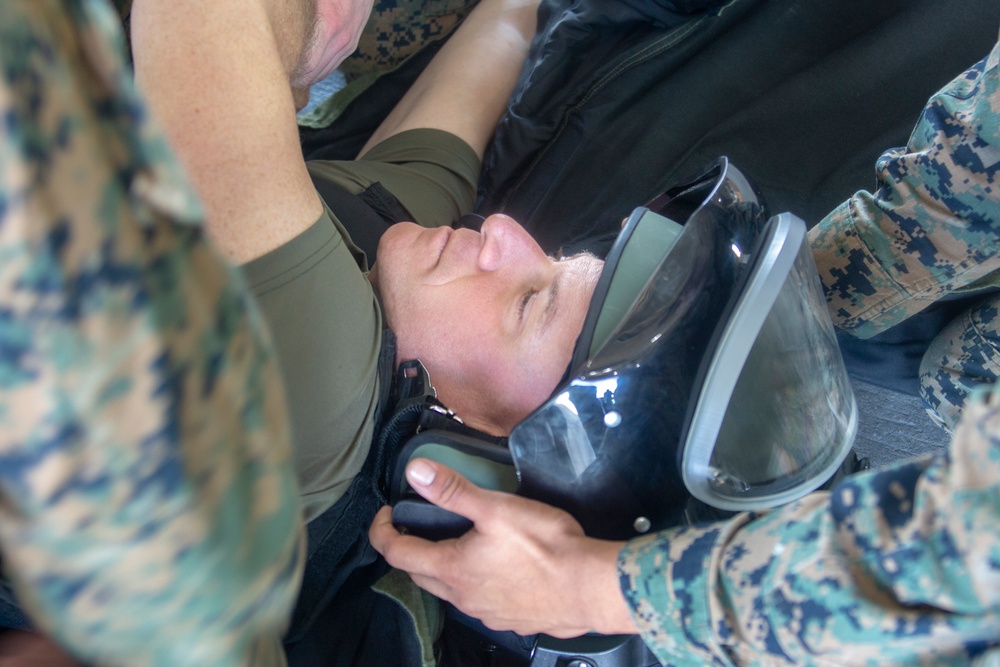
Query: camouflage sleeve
{"points": [[148, 508], [894, 567], [933, 224]]}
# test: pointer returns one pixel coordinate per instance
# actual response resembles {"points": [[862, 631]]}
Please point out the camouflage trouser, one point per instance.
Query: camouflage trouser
{"points": [[962, 359]]}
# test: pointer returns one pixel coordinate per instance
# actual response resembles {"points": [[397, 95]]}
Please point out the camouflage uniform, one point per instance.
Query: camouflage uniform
{"points": [[397, 29], [931, 229], [149, 511], [962, 359], [898, 566]]}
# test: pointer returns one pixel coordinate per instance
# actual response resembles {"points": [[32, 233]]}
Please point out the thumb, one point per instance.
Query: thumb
{"points": [[447, 489]]}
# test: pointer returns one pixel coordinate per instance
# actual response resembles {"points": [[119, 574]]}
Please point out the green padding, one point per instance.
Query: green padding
{"points": [[480, 471], [651, 240]]}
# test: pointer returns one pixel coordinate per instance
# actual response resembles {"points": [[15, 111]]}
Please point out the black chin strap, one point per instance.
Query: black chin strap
{"points": [[413, 387], [414, 408]]}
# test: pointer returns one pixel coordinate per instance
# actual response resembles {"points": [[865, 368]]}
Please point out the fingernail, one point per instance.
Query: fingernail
{"points": [[420, 473]]}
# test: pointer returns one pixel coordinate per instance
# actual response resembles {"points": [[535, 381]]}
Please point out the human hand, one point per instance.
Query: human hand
{"points": [[524, 566]]}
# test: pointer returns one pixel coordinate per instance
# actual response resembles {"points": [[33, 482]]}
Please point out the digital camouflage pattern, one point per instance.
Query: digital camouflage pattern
{"points": [[963, 358], [397, 29], [931, 228], [933, 225], [893, 567], [148, 507]]}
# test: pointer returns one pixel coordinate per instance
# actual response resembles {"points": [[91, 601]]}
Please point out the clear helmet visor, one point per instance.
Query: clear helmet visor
{"points": [[707, 367], [775, 415]]}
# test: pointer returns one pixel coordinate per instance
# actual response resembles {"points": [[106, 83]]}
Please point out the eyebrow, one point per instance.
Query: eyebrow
{"points": [[552, 305]]}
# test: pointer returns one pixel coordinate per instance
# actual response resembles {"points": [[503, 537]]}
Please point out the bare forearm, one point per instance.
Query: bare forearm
{"points": [[216, 81], [466, 87]]}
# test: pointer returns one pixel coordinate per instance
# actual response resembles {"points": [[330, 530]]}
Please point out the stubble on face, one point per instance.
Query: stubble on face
{"points": [[306, 20]]}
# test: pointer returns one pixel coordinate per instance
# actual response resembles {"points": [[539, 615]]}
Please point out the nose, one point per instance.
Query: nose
{"points": [[506, 243]]}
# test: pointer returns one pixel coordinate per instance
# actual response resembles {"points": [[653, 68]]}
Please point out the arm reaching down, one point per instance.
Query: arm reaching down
{"points": [[519, 568], [898, 563], [220, 78], [217, 78]]}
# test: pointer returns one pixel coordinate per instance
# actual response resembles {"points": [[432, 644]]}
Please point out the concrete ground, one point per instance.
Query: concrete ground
{"points": [[893, 425]]}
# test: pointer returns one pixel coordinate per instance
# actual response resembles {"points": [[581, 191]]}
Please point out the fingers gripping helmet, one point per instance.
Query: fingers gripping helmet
{"points": [[707, 369]]}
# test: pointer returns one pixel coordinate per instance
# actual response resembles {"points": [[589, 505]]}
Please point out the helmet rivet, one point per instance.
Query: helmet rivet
{"points": [[612, 419], [641, 525]]}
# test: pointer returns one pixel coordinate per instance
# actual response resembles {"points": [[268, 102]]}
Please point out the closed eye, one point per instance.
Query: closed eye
{"points": [[523, 303]]}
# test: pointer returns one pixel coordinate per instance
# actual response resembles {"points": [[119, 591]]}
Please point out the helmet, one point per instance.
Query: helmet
{"points": [[707, 370]]}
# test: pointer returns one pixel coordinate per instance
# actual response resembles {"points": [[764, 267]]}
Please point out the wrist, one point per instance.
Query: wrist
{"points": [[600, 601]]}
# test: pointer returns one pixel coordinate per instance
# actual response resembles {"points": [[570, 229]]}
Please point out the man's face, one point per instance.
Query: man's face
{"points": [[491, 316], [334, 30]]}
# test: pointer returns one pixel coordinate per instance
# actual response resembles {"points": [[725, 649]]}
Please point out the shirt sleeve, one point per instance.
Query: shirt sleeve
{"points": [[932, 226], [148, 507], [893, 567], [432, 173]]}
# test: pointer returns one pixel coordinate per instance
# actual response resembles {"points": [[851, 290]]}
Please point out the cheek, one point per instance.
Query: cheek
{"points": [[335, 38], [538, 374], [343, 23], [459, 347], [426, 327], [538, 386]]}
